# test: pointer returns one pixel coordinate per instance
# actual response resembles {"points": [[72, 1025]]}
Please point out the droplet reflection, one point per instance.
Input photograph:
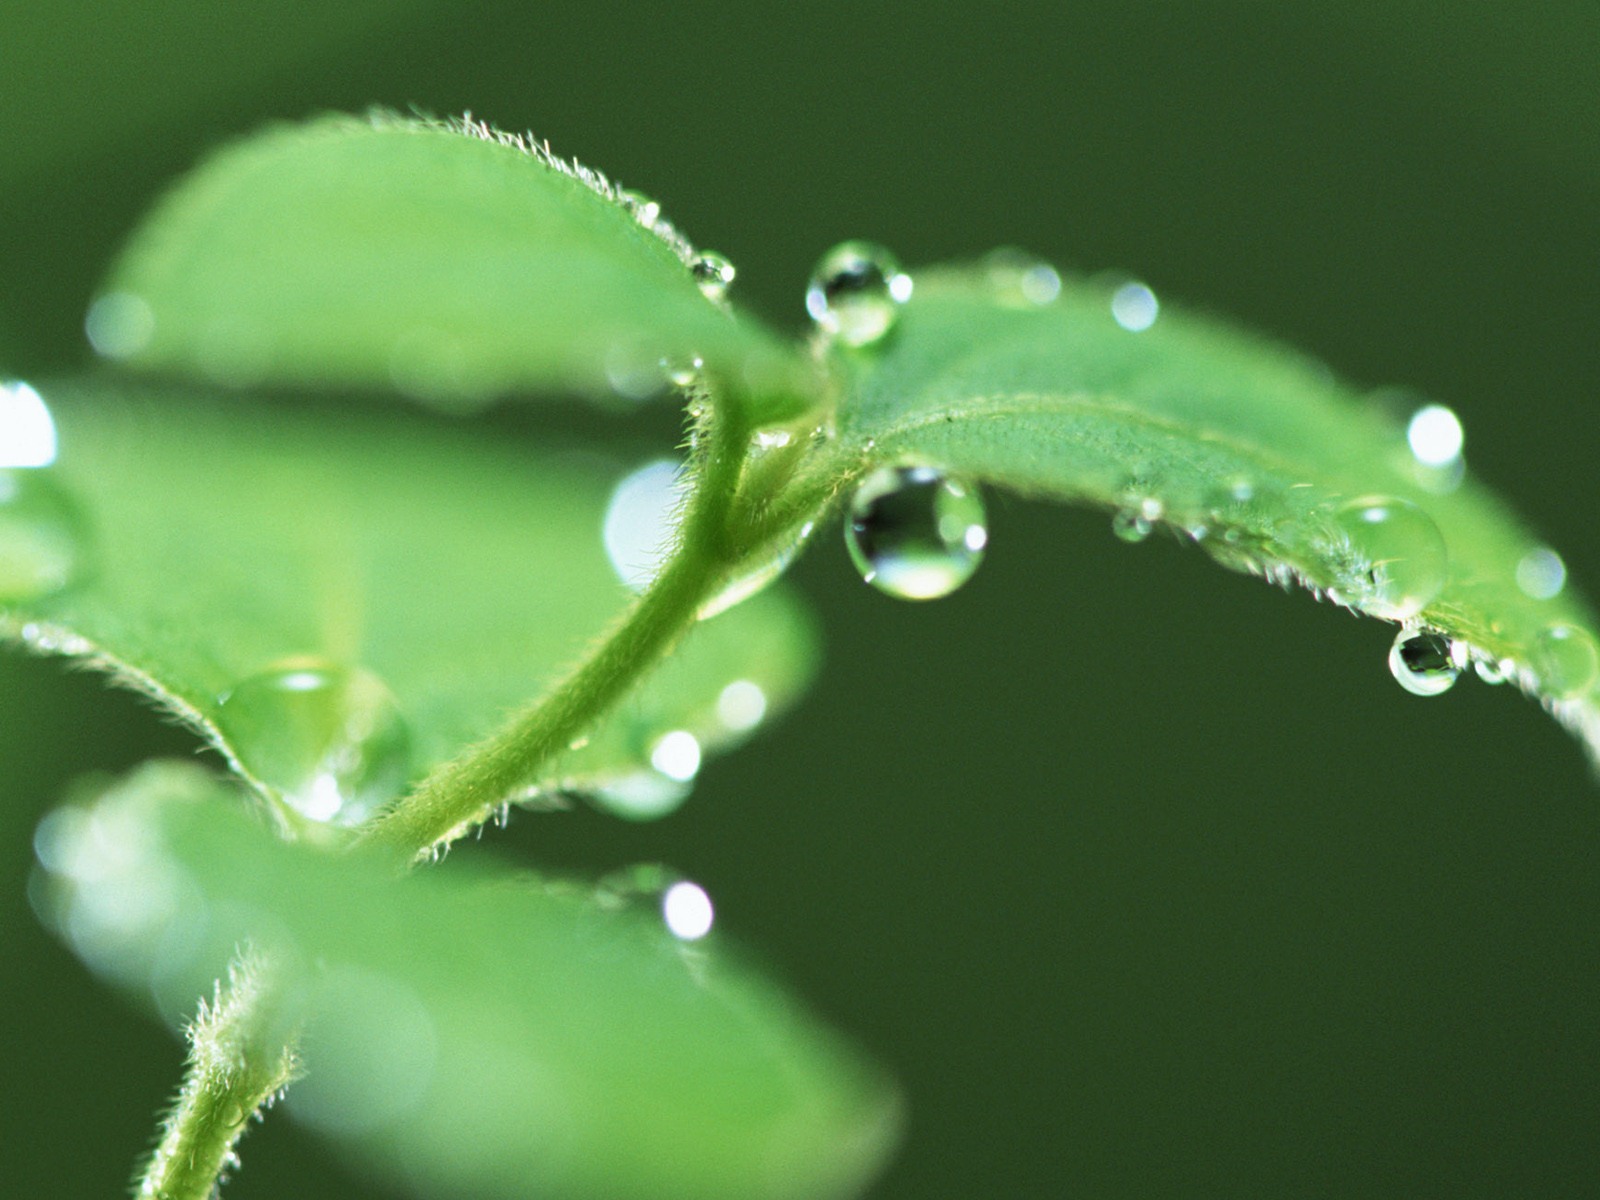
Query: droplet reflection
{"points": [[1134, 307], [1426, 663], [856, 291], [687, 911], [915, 533], [1541, 574]]}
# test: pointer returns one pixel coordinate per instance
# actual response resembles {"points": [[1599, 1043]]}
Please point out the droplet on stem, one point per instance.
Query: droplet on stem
{"points": [[915, 533]]}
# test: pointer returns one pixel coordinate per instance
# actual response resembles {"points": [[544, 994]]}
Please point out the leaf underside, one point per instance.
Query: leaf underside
{"points": [[468, 1032], [1231, 441], [222, 538]]}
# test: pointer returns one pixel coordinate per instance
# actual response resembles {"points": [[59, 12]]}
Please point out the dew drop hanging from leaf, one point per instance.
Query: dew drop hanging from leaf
{"points": [[914, 533]]}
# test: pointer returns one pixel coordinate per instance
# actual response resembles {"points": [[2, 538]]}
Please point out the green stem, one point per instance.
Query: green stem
{"points": [[463, 792], [238, 1062]]}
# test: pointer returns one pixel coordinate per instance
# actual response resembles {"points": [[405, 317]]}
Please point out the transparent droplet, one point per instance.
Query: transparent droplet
{"points": [[755, 576], [1566, 660], [741, 705], [1135, 307], [856, 292], [687, 911], [1426, 663], [684, 372], [1129, 525], [915, 533], [42, 535], [1541, 574], [677, 755], [714, 273], [642, 795], [329, 740], [644, 210], [27, 431], [641, 521], [119, 325], [1021, 280], [1494, 671], [1435, 436], [1400, 560]]}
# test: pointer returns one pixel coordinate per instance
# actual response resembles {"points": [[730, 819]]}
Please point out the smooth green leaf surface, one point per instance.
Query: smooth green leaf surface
{"points": [[1243, 446], [473, 1034], [449, 262], [217, 541]]}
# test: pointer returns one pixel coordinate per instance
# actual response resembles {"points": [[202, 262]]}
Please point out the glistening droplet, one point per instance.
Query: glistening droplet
{"points": [[687, 911], [856, 291], [643, 209], [914, 533], [1135, 307], [27, 431], [1435, 436], [329, 740], [714, 273], [1541, 574], [1129, 525], [1426, 663], [1400, 563], [42, 535], [1566, 660]]}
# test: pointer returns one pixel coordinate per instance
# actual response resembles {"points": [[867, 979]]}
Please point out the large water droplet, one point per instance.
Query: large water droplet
{"points": [[330, 741], [856, 291], [42, 536], [714, 273], [1566, 660], [27, 431], [914, 533], [641, 521], [1541, 574], [1426, 663], [1401, 563]]}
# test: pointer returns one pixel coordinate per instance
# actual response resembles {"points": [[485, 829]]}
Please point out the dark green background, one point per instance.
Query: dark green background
{"points": [[1145, 879]]}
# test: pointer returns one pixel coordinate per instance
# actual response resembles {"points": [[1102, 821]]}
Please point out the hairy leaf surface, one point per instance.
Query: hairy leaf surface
{"points": [[1236, 443], [473, 1033], [450, 262], [222, 540]]}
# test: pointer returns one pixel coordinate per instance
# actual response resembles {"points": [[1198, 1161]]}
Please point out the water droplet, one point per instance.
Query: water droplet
{"points": [[1135, 307], [1401, 563], [42, 536], [643, 795], [1426, 663], [914, 533], [686, 908], [1494, 671], [1566, 660], [741, 705], [1021, 280], [330, 741], [1541, 574], [119, 325], [27, 431], [1435, 435], [1130, 525], [756, 575], [644, 210], [641, 520], [856, 291], [677, 755], [685, 372], [714, 274]]}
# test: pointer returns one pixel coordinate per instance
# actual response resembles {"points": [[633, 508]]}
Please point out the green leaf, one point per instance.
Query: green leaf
{"points": [[445, 576], [469, 1033], [1253, 451], [450, 262]]}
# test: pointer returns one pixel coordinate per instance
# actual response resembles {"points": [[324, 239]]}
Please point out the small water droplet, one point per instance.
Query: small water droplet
{"points": [[856, 291], [1494, 671], [1541, 574], [329, 740], [915, 533], [42, 536], [1134, 306], [1435, 436], [644, 210], [1130, 525], [714, 273], [27, 431], [1021, 280], [1566, 660], [687, 911], [119, 325], [685, 372], [1401, 563], [1426, 663]]}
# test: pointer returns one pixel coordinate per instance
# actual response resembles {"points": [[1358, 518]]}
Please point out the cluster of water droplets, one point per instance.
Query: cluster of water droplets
{"points": [[42, 531], [329, 740]]}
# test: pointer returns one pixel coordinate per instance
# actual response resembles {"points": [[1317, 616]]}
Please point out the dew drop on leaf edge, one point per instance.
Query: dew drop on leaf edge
{"points": [[714, 274], [915, 533], [42, 536], [330, 740], [856, 291], [1401, 562], [1566, 660], [1426, 663]]}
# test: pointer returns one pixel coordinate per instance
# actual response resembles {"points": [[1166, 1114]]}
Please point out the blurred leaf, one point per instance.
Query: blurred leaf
{"points": [[1251, 450], [454, 265], [439, 577], [470, 1034]]}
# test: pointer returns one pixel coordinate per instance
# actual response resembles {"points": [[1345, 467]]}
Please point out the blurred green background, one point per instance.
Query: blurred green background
{"points": [[1144, 879]]}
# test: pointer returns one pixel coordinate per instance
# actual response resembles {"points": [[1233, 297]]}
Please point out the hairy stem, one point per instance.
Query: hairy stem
{"points": [[465, 791], [238, 1063]]}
